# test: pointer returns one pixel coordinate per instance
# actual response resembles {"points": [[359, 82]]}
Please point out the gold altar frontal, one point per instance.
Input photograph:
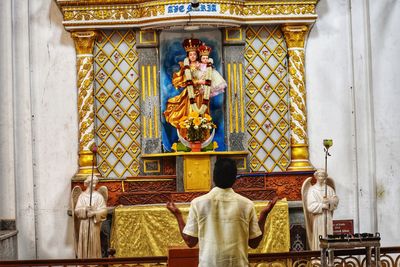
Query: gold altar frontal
{"points": [[197, 166], [140, 231]]}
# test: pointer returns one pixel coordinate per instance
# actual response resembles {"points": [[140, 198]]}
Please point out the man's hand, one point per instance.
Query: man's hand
{"points": [[191, 241], [253, 243], [270, 206], [173, 208]]}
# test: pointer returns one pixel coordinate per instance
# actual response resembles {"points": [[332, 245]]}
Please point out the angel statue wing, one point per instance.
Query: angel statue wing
{"points": [[330, 182], [103, 190], [76, 191], [307, 215]]}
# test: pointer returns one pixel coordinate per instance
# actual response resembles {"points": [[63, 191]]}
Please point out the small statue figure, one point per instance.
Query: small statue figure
{"points": [[319, 202], [89, 211]]}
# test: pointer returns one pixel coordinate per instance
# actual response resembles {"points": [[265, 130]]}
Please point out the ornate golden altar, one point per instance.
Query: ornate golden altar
{"points": [[140, 231], [128, 31]]}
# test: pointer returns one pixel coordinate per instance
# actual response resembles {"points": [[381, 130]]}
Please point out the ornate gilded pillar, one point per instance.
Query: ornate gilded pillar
{"points": [[84, 43], [295, 36]]}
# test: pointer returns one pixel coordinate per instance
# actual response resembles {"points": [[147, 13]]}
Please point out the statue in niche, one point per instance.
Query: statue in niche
{"points": [[200, 82], [89, 211], [319, 200]]}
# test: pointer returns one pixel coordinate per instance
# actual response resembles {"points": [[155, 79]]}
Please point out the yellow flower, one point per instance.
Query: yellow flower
{"points": [[194, 114], [215, 145], [208, 118], [197, 121], [182, 124], [174, 146]]}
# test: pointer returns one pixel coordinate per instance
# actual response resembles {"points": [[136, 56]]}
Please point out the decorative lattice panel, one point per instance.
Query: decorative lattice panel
{"points": [[267, 113], [117, 104]]}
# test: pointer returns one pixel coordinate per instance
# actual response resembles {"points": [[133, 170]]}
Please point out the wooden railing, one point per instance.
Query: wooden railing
{"points": [[137, 262], [390, 257]]}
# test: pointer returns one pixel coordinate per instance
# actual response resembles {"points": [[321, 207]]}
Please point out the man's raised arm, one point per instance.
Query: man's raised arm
{"points": [[190, 241], [254, 242]]}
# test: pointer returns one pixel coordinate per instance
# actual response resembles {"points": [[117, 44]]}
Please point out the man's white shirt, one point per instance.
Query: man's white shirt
{"points": [[223, 221]]}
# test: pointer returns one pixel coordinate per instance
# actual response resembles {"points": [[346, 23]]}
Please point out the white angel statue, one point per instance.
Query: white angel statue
{"points": [[318, 199], [89, 211]]}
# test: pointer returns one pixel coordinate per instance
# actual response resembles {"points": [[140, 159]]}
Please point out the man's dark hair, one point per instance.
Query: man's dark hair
{"points": [[225, 173]]}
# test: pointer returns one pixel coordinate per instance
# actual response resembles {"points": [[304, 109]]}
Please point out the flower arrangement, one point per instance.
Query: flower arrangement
{"points": [[197, 126]]}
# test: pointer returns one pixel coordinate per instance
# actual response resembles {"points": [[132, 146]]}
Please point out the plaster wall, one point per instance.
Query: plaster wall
{"points": [[7, 181], [54, 102], [38, 127], [351, 96], [329, 100], [385, 55]]}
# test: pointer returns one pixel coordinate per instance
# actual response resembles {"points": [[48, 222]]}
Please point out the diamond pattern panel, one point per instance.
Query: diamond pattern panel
{"points": [[267, 98], [117, 104]]}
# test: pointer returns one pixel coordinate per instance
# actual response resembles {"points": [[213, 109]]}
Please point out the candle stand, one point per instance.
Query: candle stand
{"points": [[335, 242]]}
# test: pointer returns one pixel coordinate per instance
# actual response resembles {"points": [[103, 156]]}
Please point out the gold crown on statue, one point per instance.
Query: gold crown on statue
{"points": [[191, 44], [204, 50]]}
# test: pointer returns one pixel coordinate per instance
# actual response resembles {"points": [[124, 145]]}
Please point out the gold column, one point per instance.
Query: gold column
{"points": [[84, 43], [295, 36]]}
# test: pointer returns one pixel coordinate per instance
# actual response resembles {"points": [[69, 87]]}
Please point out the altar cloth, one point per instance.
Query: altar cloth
{"points": [[144, 231]]}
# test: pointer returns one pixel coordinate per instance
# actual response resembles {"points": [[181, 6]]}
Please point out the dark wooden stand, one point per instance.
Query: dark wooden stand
{"points": [[329, 245], [183, 256]]}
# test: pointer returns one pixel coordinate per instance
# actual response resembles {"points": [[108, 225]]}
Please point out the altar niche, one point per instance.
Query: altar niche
{"points": [[133, 82], [172, 57], [262, 62]]}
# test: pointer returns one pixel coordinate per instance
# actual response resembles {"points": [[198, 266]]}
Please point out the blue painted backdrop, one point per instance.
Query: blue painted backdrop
{"points": [[172, 52]]}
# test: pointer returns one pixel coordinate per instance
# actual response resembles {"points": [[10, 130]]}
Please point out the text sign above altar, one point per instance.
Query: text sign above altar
{"points": [[150, 14], [185, 8]]}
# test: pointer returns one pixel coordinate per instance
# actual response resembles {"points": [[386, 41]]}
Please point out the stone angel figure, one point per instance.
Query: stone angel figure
{"points": [[89, 211], [318, 199]]}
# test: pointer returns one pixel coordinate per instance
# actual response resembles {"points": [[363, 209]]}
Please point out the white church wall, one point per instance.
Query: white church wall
{"points": [[55, 127], [7, 181], [385, 44], [363, 120], [352, 98], [23, 137], [45, 128], [329, 100]]}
